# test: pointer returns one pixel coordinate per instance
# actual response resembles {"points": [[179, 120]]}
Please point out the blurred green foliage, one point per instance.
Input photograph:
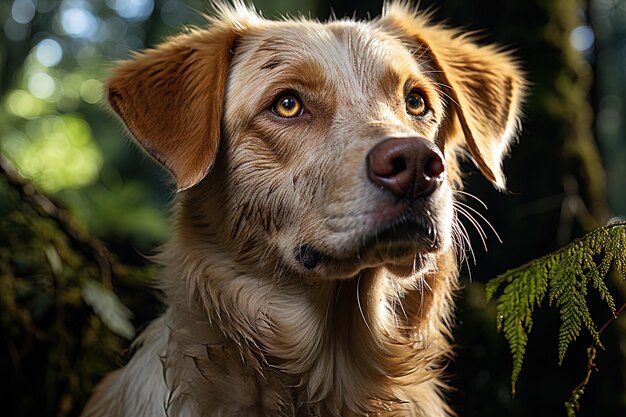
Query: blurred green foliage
{"points": [[54, 57], [56, 152], [62, 324]]}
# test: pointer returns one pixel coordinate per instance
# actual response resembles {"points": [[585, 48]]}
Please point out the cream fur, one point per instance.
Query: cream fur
{"points": [[250, 331]]}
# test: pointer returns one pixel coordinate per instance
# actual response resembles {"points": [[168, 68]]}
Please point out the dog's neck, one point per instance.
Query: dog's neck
{"points": [[340, 344]]}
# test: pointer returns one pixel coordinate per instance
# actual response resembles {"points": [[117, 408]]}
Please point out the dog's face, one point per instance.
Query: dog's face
{"points": [[337, 145]]}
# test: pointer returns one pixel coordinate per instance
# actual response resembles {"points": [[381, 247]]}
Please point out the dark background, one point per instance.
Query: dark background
{"points": [[566, 176]]}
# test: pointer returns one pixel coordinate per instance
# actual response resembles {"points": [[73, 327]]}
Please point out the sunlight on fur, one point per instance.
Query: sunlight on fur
{"points": [[313, 262]]}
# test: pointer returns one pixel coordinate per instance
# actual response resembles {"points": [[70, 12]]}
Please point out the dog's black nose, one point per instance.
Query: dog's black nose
{"points": [[408, 167]]}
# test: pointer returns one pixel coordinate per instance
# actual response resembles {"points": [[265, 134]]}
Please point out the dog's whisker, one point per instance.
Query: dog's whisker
{"points": [[465, 243], [465, 193], [474, 222], [358, 300], [423, 50], [338, 293], [418, 282], [427, 285], [458, 244], [482, 217], [465, 235], [440, 91], [458, 241], [398, 299], [461, 234], [468, 213], [462, 209]]}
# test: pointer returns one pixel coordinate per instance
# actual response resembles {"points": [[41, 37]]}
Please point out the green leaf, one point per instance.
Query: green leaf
{"points": [[564, 275], [115, 315]]}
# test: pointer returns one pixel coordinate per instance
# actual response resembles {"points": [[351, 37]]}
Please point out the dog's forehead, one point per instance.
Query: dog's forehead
{"points": [[346, 48]]}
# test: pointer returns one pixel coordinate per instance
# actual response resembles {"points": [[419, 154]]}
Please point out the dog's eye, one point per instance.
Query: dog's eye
{"points": [[416, 104], [287, 105]]}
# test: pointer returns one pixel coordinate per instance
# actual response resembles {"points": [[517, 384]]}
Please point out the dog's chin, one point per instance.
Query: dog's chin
{"points": [[406, 246]]}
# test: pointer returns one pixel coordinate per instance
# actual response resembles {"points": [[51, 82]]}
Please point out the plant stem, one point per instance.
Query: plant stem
{"points": [[572, 404]]}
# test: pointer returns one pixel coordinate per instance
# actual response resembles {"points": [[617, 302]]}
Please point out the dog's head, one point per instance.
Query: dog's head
{"points": [[320, 148]]}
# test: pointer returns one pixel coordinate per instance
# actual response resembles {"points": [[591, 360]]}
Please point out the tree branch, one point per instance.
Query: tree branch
{"points": [[42, 204]]}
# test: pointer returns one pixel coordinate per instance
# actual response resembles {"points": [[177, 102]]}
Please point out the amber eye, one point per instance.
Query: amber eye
{"points": [[416, 104], [287, 105]]}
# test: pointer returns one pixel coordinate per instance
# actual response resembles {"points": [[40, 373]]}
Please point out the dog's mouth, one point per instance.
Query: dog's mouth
{"points": [[408, 230], [404, 237]]}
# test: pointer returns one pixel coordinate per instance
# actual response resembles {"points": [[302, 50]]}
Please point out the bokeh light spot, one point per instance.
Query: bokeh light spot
{"points": [[48, 52], [23, 104], [41, 85], [91, 91], [132, 9], [23, 11], [582, 38], [16, 31], [78, 22]]}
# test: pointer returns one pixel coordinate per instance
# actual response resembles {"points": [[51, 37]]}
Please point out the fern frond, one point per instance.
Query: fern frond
{"points": [[574, 313], [564, 276], [515, 307]]}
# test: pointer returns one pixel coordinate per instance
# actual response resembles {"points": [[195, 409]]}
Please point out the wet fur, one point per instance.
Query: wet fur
{"points": [[248, 330]]}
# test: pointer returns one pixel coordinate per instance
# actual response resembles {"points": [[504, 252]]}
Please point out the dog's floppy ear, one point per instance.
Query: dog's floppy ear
{"points": [[482, 84], [170, 98]]}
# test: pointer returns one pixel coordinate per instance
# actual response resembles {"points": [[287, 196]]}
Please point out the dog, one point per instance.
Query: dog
{"points": [[313, 263]]}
